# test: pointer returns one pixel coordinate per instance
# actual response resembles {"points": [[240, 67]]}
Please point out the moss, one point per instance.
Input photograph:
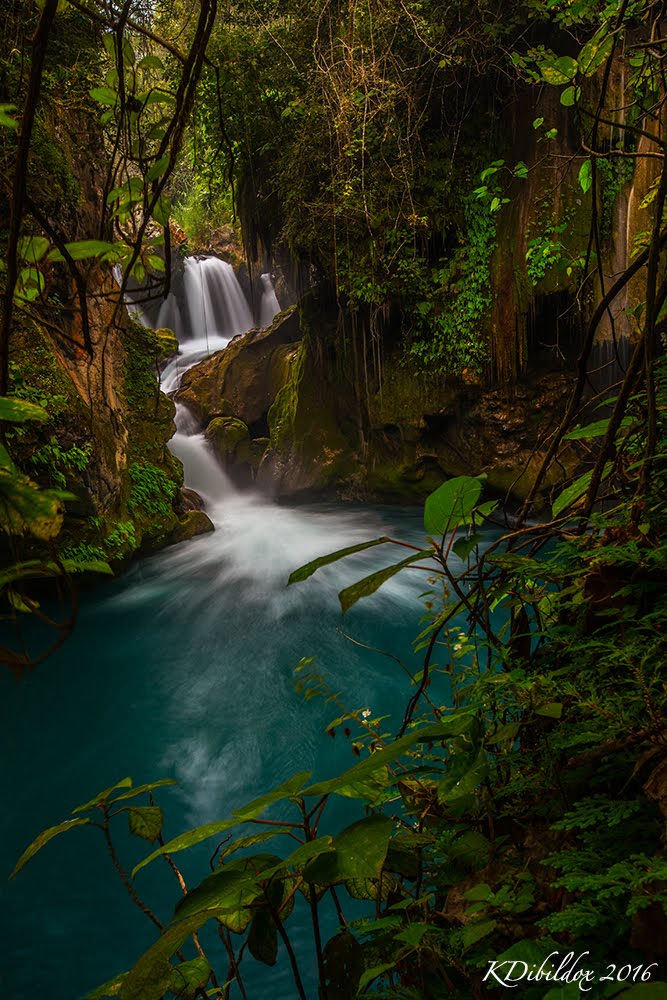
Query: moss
{"points": [[406, 483], [306, 439], [167, 343], [193, 523], [152, 491], [142, 353], [226, 435]]}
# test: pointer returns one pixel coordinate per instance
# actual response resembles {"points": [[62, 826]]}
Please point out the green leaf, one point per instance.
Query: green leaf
{"points": [[161, 210], [229, 892], [377, 970], [451, 504], [33, 248], [596, 429], [559, 71], [251, 811], [462, 547], [412, 934], [109, 42], [109, 989], [86, 566], [242, 843], [103, 796], [129, 58], [263, 937], [104, 95], [308, 852], [359, 852], [585, 176], [17, 411], [82, 250], [145, 821], [551, 710], [343, 965], [157, 97], [6, 119], [368, 586], [151, 62], [463, 777], [189, 978], [570, 96], [596, 51], [27, 508], [575, 491], [44, 837], [476, 930], [286, 790], [303, 572], [455, 726], [158, 168]]}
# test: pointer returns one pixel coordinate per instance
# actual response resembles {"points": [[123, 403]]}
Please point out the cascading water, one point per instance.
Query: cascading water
{"points": [[258, 542], [192, 678], [269, 305]]}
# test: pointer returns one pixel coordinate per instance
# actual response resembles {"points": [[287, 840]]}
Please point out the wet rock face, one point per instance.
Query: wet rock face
{"points": [[277, 414], [244, 379]]}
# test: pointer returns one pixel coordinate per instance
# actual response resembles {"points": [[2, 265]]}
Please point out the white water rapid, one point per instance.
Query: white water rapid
{"points": [[269, 305], [257, 543]]}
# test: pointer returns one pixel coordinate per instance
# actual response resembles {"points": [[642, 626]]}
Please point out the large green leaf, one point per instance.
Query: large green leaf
{"points": [[369, 584], [596, 51], [454, 726], [303, 572], [33, 248], [263, 937], [103, 796], [189, 978], [558, 70], [228, 893], [109, 989], [284, 791], [141, 789], [463, 777], [44, 837], [251, 811], [152, 975], [358, 852], [145, 821], [24, 507], [104, 95], [451, 505], [575, 491], [6, 119], [596, 429], [343, 966], [17, 411], [83, 250]]}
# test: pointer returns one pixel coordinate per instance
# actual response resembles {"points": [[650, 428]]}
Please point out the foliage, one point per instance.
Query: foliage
{"points": [[527, 811], [151, 491], [59, 461]]}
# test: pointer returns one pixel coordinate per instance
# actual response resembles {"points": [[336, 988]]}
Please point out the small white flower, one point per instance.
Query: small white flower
{"points": [[457, 647], [366, 712]]}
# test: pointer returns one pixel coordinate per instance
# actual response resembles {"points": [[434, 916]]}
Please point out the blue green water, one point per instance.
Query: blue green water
{"points": [[184, 668]]}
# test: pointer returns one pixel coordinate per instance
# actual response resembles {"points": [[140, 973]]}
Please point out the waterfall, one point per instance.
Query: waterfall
{"points": [[269, 305], [169, 317], [216, 304]]}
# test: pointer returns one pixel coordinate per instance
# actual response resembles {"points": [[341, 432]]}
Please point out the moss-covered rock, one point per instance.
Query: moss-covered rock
{"points": [[226, 435], [243, 380], [308, 451], [193, 523]]}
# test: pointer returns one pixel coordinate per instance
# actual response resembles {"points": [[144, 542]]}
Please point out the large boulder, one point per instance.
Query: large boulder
{"points": [[244, 379]]}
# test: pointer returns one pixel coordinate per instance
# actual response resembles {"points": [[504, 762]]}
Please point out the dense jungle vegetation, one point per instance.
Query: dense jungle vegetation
{"points": [[370, 149]]}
